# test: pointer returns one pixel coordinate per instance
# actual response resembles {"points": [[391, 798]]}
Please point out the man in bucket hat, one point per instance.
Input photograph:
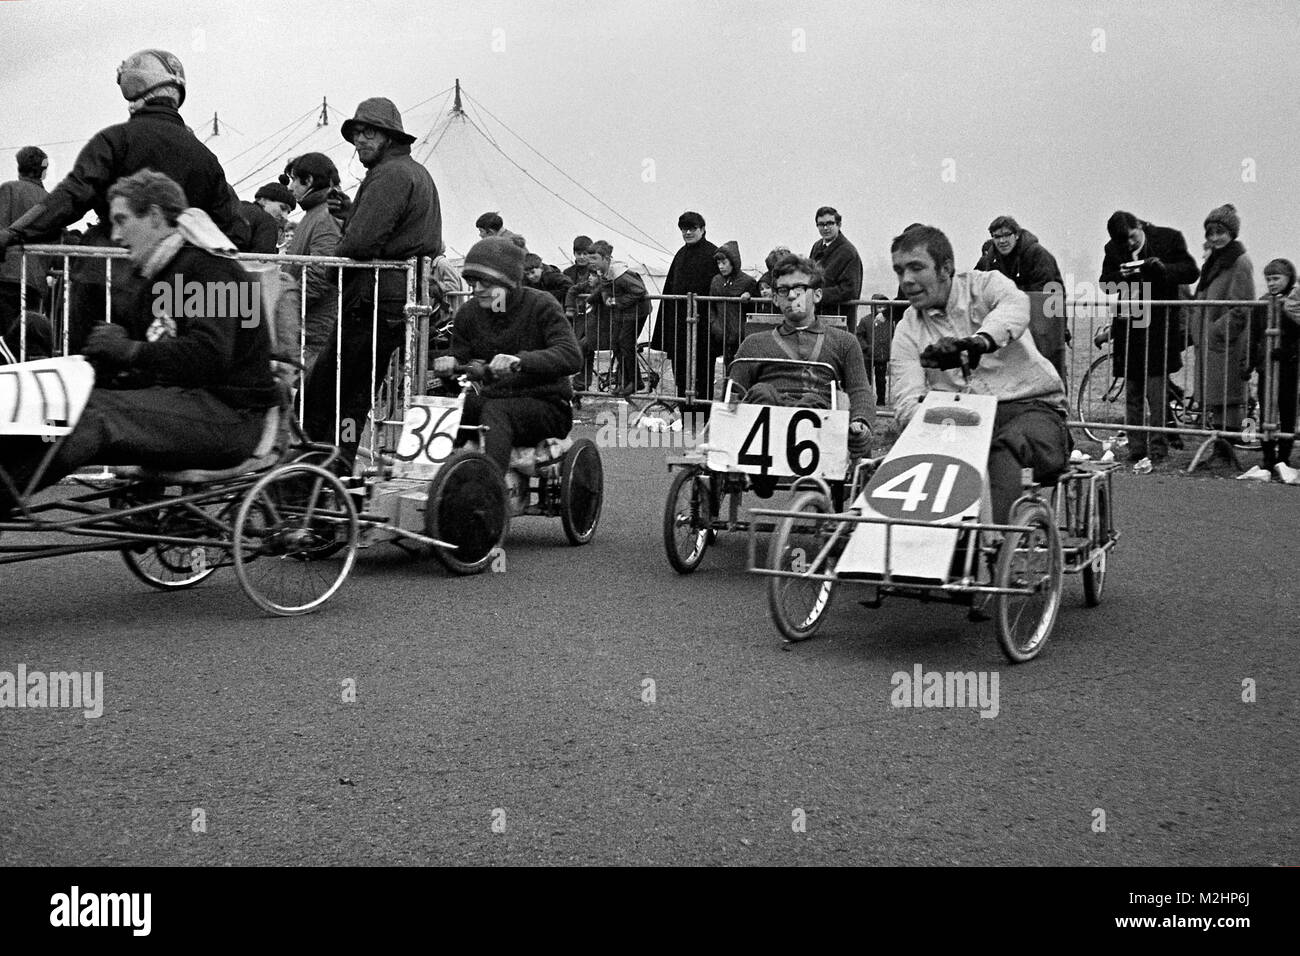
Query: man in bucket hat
{"points": [[395, 215]]}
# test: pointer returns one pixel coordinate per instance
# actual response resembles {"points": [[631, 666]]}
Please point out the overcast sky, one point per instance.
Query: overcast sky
{"points": [[753, 113]]}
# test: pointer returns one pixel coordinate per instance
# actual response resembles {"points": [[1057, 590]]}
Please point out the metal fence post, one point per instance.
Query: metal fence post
{"points": [[692, 323]]}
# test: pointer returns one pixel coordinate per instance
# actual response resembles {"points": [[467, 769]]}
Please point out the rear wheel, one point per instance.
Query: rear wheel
{"points": [[797, 606], [1029, 561], [175, 567], [466, 509], [285, 531], [688, 517], [1094, 575], [582, 491], [1101, 399]]}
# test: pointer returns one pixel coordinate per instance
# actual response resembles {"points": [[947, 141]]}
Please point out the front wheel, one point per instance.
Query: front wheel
{"points": [[466, 509], [1101, 399], [582, 491], [1029, 561], [798, 605], [688, 519], [1094, 575]]}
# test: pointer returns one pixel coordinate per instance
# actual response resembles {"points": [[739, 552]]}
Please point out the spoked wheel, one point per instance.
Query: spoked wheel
{"points": [[1094, 575], [175, 567], [582, 491], [466, 507], [798, 605], [688, 517], [1101, 399], [1030, 561], [288, 527]]}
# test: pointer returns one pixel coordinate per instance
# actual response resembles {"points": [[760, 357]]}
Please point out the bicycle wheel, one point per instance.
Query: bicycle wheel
{"points": [[1094, 575], [688, 517], [798, 606], [582, 491], [1101, 399], [175, 567], [285, 522], [1029, 561]]}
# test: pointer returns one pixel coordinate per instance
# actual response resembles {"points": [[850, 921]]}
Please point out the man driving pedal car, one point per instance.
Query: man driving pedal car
{"points": [[522, 339], [796, 290], [174, 389], [977, 321]]}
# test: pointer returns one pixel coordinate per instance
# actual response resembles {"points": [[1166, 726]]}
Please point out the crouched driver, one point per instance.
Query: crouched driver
{"points": [[525, 343]]}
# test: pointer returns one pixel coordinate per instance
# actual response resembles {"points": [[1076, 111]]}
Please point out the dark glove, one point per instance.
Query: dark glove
{"points": [[859, 440], [111, 345], [1154, 265], [947, 352]]}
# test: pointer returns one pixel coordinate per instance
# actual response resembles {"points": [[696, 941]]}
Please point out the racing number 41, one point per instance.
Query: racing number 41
{"points": [[909, 487], [795, 451]]}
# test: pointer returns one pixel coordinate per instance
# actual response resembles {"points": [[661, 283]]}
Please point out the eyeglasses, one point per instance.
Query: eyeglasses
{"points": [[999, 236], [783, 291], [827, 224]]}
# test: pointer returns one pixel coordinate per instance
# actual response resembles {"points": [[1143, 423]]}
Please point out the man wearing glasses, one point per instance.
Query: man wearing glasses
{"points": [[796, 291], [396, 215], [1017, 254], [692, 270], [842, 266]]}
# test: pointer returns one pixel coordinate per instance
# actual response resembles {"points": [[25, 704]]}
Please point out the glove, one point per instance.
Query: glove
{"points": [[947, 352], [1102, 337], [111, 345], [444, 365], [859, 439]]}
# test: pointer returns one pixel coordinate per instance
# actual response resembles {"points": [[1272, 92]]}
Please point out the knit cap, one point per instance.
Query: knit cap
{"points": [[276, 193], [1226, 216], [497, 260]]}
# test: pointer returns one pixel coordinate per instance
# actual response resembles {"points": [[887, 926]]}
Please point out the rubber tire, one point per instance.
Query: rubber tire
{"points": [[467, 494], [581, 528], [1095, 408], [1094, 575], [791, 629], [700, 512], [1007, 607], [263, 489], [133, 559]]}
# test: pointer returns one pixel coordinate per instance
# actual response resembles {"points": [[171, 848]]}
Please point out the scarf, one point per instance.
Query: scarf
{"points": [[1220, 261]]}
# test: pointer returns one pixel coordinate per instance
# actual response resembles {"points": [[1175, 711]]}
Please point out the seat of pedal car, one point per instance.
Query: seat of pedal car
{"points": [[266, 453]]}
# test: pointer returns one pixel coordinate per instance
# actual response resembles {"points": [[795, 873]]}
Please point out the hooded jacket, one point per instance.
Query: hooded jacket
{"points": [[726, 319], [1028, 265]]}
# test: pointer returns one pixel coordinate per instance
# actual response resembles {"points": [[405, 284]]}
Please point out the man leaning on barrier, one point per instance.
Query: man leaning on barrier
{"points": [[174, 390], [395, 215], [983, 318], [796, 290]]}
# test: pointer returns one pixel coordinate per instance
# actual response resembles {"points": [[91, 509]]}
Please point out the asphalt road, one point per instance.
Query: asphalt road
{"points": [[517, 698]]}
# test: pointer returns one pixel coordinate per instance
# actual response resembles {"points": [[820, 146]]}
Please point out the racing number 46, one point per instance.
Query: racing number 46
{"points": [[795, 451]]}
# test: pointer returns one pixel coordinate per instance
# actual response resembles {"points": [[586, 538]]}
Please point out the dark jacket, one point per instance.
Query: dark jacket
{"points": [[155, 137], [396, 215], [532, 327], [263, 230], [604, 325], [843, 267], [692, 270], [16, 198], [726, 319], [554, 281], [1028, 265], [1132, 356], [227, 356]]}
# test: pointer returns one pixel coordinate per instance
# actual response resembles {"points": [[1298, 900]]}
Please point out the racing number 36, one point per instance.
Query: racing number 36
{"points": [[803, 456], [426, 433]]}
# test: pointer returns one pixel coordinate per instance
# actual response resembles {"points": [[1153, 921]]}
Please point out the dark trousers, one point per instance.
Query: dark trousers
{"points": [[355, 376], [1287, 375], [1025, 435], [1146, 402], [163, 428], [675, 345], [515, 422]]}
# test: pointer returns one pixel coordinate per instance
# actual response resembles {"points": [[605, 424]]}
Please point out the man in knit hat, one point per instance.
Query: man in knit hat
{"points": [[396, 215], [16, 197], [265, 217], [155, 137], [521, 339]]}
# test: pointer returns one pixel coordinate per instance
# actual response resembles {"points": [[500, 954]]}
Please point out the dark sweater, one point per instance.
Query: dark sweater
{"points": [[532, 327], [227, 354]]}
